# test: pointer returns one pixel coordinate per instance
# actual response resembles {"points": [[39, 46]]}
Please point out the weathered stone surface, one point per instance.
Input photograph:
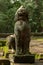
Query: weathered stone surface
{"points": [[10, 41], [37, 62], [4, 61], [24, 59], [22, 31]]}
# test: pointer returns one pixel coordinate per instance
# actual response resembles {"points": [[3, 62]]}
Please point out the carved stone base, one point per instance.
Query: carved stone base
{"points": [[24, 59]]}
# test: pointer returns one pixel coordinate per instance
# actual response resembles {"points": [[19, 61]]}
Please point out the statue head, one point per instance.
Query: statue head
{"points": [[21, 14]]}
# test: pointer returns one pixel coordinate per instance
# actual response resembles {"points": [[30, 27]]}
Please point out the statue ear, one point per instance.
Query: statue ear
{"points": [[15, 16]]}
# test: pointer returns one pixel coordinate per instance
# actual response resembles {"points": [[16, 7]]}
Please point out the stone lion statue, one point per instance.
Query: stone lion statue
{"points": [[10, 41], [22, 31]]}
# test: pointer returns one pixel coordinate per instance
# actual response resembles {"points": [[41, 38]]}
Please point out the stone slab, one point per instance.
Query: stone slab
{"points": [[4, 61], [24, 59]]}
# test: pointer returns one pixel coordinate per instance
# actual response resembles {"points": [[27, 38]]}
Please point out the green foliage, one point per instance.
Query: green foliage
{"points": [[2, 43], [36, 15], [7, 14]]}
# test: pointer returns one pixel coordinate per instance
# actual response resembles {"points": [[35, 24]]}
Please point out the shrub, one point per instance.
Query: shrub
{"points": [[2, 43]]}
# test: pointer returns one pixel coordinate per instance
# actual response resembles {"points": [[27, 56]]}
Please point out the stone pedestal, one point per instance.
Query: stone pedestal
{"points": [[4, 61], [24, 59]]}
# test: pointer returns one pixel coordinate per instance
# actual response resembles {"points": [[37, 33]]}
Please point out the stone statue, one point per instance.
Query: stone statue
{"points": [[22, 31], [10, 41]]}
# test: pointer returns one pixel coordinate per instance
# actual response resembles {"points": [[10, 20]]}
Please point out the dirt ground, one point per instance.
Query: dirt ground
{"points": [[36, 46]]}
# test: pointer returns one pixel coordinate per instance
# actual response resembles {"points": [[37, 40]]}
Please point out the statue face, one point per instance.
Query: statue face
{"points": [[22, 14]]}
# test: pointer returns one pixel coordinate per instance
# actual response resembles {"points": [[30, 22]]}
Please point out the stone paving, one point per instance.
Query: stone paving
{"points": [[36, 46], [37, 62]]}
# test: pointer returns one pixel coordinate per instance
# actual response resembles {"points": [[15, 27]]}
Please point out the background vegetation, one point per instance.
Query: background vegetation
{"points": [[7, 14]]}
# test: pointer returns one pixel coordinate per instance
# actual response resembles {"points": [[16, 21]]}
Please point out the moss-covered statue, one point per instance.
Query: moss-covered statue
{"points": [[22, 31]]}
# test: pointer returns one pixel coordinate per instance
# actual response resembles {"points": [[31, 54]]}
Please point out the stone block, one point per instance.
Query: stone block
{"points": [[24, 58], [4, 61]]}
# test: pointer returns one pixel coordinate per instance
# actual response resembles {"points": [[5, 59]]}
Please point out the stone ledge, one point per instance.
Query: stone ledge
{"points": [[4, 61], [24, 59]]}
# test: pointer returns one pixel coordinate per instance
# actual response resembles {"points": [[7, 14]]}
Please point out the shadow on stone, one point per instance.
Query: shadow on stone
{"points": [[4, 62], [24, 59]]}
